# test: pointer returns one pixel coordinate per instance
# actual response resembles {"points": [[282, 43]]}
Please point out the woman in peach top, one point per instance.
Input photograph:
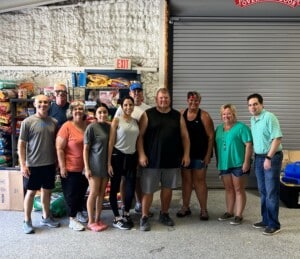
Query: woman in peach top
{"points": [[69, 147]]}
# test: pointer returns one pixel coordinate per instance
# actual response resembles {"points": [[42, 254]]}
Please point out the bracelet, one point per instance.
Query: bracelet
{"points": [[269, 158]]}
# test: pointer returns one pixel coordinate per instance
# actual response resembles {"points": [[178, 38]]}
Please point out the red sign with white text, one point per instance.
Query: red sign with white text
{"points": [[245, 3], [123, 63]]}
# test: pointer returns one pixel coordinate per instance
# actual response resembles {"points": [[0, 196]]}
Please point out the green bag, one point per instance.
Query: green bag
{"points": [[57, 204]]}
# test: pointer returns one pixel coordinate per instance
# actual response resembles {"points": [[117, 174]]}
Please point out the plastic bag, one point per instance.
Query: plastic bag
{"points": [[57, 204]]}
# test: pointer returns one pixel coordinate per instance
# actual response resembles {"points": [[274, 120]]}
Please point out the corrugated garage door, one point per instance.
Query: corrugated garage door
{"points": [[227, 61]]}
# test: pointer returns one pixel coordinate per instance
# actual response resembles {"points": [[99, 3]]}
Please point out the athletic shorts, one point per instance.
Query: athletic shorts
{"points": [[151, 178], [40, 177], [236, 171]]}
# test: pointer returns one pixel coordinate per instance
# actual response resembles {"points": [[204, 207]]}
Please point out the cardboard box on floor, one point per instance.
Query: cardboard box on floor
{"points": [[11, 190], [290, 156]]}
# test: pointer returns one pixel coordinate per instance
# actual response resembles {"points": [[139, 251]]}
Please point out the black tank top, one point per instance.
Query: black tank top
{"points": [[162, 140], [198, 136]]}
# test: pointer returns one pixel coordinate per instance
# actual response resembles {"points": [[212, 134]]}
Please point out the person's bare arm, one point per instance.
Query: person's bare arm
{"points": [[185, 142], [111, 143], [143, 123], [87, 169], [210, 131], [247, 159], [22, 158], [273, 149], [60, 151]]}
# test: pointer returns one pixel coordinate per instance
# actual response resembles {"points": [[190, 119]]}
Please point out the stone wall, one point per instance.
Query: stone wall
{"points": [[81, 34]]}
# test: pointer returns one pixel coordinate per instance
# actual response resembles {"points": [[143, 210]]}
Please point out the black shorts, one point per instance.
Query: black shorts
{"points": [[40, 177]]}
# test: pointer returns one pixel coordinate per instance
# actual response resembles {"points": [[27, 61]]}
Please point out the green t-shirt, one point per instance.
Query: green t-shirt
{"points": [[230, 145]]}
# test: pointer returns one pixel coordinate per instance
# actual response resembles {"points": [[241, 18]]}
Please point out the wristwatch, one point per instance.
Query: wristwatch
{"points": [[268, 157]]}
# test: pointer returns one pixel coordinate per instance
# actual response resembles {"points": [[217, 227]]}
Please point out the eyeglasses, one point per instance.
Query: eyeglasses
{"points": [[61, 92]]}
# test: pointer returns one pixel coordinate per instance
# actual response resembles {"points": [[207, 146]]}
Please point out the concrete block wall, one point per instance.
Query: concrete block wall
{"points": [[82, 34]]}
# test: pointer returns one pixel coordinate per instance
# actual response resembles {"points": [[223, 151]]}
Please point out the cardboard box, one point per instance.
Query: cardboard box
{"points": [[11, 190], [290, 156]]}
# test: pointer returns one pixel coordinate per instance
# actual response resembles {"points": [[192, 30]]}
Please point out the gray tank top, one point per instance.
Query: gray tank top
{"points": [[127, 133]]}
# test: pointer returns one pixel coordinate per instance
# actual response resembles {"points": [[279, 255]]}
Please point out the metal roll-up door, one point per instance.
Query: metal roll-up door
{"points": [[228, 60]]}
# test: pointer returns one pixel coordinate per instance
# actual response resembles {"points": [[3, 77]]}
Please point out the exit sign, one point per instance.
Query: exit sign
{"points": [[123, 63]]}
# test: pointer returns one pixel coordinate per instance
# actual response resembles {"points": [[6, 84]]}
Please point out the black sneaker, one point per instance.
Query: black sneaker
{"points": [[259, 225], [271, 231], [128, 220], [165, 219], [121, 224], [144, 224], [236, 221], [225, 216]]}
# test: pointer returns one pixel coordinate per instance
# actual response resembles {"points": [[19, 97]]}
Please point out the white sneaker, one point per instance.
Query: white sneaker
{"points": [[81, 217], [75, 225]]}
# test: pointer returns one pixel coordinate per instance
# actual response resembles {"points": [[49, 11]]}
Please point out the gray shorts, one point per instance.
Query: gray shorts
{"points": [[151, 178]]}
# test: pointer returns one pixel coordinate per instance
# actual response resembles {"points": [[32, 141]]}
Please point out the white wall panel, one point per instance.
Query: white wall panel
{"points": [[85, 34]]}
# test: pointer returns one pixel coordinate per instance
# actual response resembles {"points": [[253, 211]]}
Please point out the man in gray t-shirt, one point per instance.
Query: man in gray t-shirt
{"points": [[37, 157]]}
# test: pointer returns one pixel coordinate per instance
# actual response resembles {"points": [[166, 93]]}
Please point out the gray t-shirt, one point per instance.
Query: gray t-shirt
{"points": [[39, 134], [96, 136]]}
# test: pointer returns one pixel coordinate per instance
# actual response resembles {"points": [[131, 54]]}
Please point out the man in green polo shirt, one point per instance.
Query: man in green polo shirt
{"points": [[267, 147]]}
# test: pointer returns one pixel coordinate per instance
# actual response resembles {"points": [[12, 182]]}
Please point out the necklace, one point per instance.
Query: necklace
{"points": [[224, 140]]}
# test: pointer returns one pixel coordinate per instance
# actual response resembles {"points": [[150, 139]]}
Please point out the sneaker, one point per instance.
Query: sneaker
{"points": [[121, 224], [259, 225], [128, 220], [165, 219], [138, 208], [236, 221], [50, 222], [76, 225], [225, 216], [271, 231], [144, 224], [81, 217], [27, 227]]}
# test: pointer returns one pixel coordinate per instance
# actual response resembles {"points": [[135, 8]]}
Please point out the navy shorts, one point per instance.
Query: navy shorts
{"points": [[40, 177], [236, 171], [196, 164]]}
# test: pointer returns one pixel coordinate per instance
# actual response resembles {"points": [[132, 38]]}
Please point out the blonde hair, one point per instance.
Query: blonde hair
{"points": [[162, 90], [231, 107]]}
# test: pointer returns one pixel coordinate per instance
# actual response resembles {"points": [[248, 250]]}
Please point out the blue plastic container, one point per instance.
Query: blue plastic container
{"points": [[292, 170]]}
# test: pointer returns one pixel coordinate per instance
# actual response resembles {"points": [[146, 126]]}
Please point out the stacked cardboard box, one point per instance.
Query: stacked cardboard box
{"points": [[11, 190]]}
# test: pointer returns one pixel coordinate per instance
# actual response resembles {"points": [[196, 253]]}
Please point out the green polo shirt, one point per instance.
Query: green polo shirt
{"points": [[264, 129]]}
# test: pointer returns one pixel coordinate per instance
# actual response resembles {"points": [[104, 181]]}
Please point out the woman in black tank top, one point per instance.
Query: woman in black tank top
{"points": [[201, 132]]}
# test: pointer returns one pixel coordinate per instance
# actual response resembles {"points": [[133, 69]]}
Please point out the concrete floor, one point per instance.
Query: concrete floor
{"points": [[190, 238]]}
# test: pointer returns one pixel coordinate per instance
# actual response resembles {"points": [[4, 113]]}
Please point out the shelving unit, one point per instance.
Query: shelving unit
{"points": [[93, 93], [27, 103]]}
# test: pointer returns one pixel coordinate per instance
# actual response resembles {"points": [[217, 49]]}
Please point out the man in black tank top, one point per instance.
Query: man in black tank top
{"points": [[163, 147]]}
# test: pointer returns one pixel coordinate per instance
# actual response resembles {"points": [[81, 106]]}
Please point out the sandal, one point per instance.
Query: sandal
{"points": [[94, 227], [102, 225], [204, 215], [183, 212]]}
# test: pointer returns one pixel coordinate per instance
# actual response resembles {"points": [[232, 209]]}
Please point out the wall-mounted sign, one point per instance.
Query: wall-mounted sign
{"points": [[245, 3], [123, 63]]}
